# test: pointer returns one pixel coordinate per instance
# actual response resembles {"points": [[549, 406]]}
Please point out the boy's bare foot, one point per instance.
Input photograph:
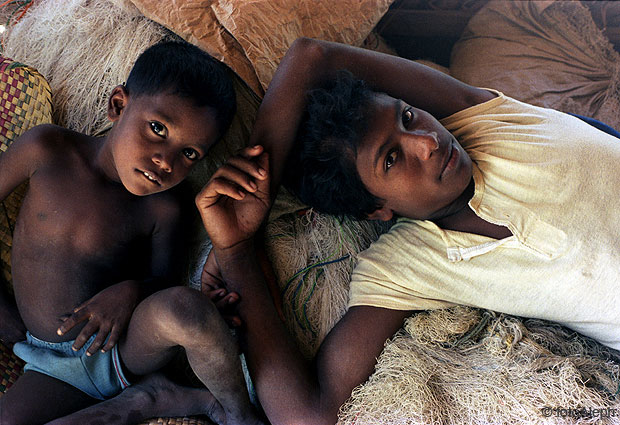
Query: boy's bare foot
{"points": [[154, 396], [172, 399]]}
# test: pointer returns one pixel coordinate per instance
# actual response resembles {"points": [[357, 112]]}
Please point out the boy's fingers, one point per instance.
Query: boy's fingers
{"points": [[210, 278], [209, 290], [79, 307], [264, 184], [98, 341], [218, 187], [210, 275], [233, 321], [71, 321], [215, 295], [231, 298], [263, 162], [237, 176], [249, 166], [114, 336], [209, 282], [251, 151], [227, 301], [84, 335]]}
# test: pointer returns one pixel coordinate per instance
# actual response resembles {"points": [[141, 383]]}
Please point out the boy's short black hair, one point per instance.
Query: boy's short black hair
{"points": [[322, 172], [186, 71]]}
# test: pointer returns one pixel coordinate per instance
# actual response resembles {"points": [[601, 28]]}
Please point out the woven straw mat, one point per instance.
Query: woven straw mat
{"points": [[10, 368], [25, 101]]}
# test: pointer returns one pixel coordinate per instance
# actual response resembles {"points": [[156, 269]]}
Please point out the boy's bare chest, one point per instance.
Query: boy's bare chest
{"points": [[76, 234], [80, 215]]}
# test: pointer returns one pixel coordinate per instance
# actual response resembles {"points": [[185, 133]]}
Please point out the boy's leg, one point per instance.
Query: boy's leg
{"points": [[183, 317], [153, 396], [36, 398]]}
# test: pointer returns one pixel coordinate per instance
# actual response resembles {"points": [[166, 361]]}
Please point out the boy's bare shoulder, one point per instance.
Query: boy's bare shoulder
{"points": [[47, 133], [57, 136], [45, 140]]}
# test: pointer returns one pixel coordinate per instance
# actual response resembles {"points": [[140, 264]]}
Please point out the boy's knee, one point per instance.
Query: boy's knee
{"points": [[182, 312]]}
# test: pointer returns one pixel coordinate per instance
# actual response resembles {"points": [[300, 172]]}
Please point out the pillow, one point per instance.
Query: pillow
{"points": [[252, 36], [550, 54], [25, 101]]}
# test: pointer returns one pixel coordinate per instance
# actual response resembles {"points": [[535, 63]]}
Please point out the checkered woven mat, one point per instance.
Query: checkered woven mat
{"points": [[10, 368], [25, 101]]}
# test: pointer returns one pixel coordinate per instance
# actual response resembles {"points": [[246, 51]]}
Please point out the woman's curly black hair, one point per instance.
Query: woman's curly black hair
{"points": [[322, 172]]}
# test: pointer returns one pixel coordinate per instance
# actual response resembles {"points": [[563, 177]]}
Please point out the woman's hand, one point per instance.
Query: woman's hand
{"points": [[235, 201]]}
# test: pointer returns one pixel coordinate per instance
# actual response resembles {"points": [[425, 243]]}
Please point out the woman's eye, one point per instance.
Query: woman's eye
{"points": [[390, 159], [407, 116], [191, 154], [158, 128]]}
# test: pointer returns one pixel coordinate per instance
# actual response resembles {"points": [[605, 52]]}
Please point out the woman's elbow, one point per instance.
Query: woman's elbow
{"points": [[310, 49]]}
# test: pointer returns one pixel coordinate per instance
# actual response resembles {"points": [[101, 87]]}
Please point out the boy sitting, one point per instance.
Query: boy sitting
{"points": [[98, 232], [503, 206]]}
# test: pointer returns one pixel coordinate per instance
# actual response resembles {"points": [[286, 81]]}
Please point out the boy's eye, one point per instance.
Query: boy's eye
{"points": [[407, 116], [158, 128], [390, 159], [191, 154]]}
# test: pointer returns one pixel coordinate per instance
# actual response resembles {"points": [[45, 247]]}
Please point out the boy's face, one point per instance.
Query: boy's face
{"points": [[157, 139], [411, 161]]}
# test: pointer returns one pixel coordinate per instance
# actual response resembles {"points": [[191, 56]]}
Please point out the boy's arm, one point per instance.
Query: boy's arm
{"points": [[17, 164], [291, 390], [23, 157], [309, 63]]}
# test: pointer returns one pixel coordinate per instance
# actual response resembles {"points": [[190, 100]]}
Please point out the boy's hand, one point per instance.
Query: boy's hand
{"points": [[212, 285], [107, 314], [235, 201]]}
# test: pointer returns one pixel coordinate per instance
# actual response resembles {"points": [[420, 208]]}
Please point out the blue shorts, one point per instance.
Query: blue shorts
{"points": [[100, 375]]}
